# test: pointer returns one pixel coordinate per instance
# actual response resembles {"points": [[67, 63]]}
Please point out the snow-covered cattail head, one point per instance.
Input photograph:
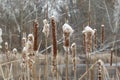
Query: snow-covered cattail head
{"points": [[73, 45], [88, 29], [67, 30], [14, 51], [31, 37], [45, 28], [6, 45], [24, 52], [23, 41], [100, 62], [45, 21]]}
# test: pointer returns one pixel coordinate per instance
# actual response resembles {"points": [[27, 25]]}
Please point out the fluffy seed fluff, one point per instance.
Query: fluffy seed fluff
{"points": [[6, 45], [101, 62], [45, 28], [88, 29], [14, 51], [31, 37], [73, 45], [67, 29]]}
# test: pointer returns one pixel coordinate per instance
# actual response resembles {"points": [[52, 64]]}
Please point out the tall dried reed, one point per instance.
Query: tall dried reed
{"points": [[111, 57], [73, 47]]}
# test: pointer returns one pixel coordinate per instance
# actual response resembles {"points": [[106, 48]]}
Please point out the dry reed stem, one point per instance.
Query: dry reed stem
{"points": [[66, 45], [84, 43], [73, 47], [81, 78], [46, 61], [102, 34], [67, 52], [54, 41], [35, 35], [111, 57]]}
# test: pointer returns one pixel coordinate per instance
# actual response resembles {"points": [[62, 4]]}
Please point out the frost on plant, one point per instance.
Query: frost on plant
{"points": [[88, 29], [67, 29], [45, 28]]}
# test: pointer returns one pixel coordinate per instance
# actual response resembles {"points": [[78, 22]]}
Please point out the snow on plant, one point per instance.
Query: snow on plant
{"points": [[88, 29], [45, 28], [6, 45], [67, 30], [29, 43]]}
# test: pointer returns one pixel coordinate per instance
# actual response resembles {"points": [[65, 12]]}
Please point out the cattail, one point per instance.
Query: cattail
{"points": [[67, 32], [73, 47], [111, 57], [100, 65], [102, 34], [15, 52], [54, 37], [46, 32], [45, 28], [95, 39], [88, 33], [30, 43], [35, 35]]}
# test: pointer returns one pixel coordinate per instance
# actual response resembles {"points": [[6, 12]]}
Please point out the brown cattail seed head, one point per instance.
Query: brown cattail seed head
{"points": [[54, 33], [35, 35], [102, 33], [54, 37]]}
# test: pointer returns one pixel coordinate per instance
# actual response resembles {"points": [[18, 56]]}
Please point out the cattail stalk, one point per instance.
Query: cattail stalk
{"points": [[54, 41], [66, 44], [73, 47], [102, 34], [111, 57]]}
